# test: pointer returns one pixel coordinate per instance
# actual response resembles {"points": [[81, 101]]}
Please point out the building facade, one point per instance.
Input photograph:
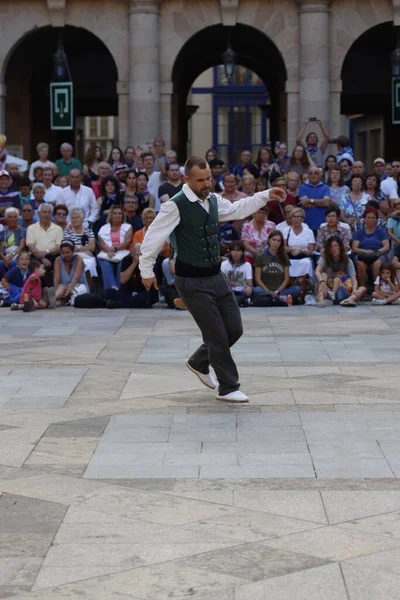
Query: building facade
{"points": [[139, 59]]}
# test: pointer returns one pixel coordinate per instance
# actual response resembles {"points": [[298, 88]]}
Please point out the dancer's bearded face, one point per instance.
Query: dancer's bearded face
{"points": [[199, 181]]}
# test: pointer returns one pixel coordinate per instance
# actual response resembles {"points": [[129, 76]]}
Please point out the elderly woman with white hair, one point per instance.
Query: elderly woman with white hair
{"points": [[12, 238], [84, 240], [38, 191], [43, 152]]}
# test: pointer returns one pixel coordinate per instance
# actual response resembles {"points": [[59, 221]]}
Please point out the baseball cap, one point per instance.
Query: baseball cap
{"points": [[379, 160], [4, 173]]}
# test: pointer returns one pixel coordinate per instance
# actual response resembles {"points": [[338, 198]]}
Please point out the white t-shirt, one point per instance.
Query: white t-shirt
{"points": [[384, 287], [389, 188], [282, 226], [155, 180], [51, 195], [237, 275], [302, 240]]}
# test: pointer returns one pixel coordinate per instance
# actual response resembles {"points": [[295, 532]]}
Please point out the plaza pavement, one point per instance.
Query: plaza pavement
{"points": [[122, 478]]}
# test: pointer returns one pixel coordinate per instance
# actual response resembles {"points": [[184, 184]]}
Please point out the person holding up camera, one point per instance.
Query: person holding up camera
{"points": [[316, 152]]}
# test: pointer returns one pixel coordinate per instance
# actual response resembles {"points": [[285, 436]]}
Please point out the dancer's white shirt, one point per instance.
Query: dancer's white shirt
{"points": [[169, 217]]}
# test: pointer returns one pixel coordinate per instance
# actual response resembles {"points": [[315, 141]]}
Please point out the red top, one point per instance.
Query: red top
{"points": [[32, 287]]}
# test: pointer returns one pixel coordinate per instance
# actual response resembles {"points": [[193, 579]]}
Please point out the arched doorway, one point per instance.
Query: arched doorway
{"points": [[27, 75], [366, 95], [254, 50]]}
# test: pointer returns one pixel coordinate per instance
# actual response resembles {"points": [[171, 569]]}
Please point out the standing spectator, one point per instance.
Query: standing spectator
{"points": [[281, 160], [210, 154], [110, 196], [115, 237], [146, 199], [159, 154], [333, 227], [104, 170], [38, 192], [314, 198], [69, 271], [329, 163], [352, 205], [52, 191], [346, 166], [380, 169], [264, 162], [13, 171], [245, 161], [293, 183], [131, 210], [61, 181], [24, 191], [230, 188], [84, 240], [255, 233], [91, 161], [299, 245], [388, 169], [60, 216], [173, 185], [371, 245], [43, 240], [239, 273], [27, 217], [129, 157], [38, 175], [116, 158], [12, 238], [8, 196], [344, 149], [316, 152], [81, 196], [261, 184], [130, 184], [155, 178], [216, 167], [43, 152], [358, 168], [249, 185], [373, 188], [337, 188], [67, 162], [299, 161]]}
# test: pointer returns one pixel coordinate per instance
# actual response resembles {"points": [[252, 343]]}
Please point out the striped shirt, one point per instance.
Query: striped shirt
{"points": [[79, 239]]}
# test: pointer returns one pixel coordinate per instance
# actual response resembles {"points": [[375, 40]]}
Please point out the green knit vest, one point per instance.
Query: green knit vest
{"points": [[195, 239]]}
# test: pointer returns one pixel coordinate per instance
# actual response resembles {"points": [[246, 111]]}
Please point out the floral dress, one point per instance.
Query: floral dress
{"points": [[258, 239]]}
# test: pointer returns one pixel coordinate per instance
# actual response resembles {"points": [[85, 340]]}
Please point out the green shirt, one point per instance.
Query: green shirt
{"points": [[272, 269], [351, 271], [64, 168]]}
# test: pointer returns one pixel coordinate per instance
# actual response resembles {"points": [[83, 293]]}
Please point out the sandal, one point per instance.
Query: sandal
{"points": [[320, 304], [348, 302]]}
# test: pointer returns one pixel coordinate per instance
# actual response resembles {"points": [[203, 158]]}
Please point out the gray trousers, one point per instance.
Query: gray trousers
{"points": [[214, 307]]}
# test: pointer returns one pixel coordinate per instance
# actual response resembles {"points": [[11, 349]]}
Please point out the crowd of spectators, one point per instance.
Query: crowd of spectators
{"points": [[70, 232]]}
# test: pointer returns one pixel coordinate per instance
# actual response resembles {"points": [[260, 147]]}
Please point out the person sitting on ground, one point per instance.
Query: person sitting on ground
{"points": [[13, 281], [341, 282], [337, 189], [24, 191], [85, 242], [299, 162], [371, 245], [12, 238], [69, 272], [393, 230], [316, 152], [32, 292], [333, 227], [299, 245], [148, 216], [386, 286], [168, 289], [239, 273], [43, 240], [131, 293], [255, 233], [335, 252], [60, 216], [131, 209], [115, 237], [43, 152], [272, 270]]}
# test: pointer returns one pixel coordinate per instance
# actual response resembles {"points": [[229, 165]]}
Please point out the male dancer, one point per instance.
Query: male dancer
{"points": [[191, 219]]}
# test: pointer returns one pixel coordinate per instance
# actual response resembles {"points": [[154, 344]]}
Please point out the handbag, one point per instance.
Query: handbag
{"points": [[299, 256], [368, 259]]}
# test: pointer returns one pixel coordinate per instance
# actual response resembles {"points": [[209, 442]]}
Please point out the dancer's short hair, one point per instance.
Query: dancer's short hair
{"points": [[195, 161]]}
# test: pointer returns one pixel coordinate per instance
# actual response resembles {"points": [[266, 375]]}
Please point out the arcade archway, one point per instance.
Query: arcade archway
{"points": [[27, 75], [203, 50]]}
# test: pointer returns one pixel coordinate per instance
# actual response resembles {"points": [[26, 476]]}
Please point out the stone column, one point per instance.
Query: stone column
{"points": [[3, 109], [292, 99], [123, 114], [314, 59], [335, 122], [165, 112], [144, 78]]}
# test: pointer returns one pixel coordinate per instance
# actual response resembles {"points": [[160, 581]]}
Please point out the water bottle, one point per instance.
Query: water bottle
{"points": [[290, 300]]}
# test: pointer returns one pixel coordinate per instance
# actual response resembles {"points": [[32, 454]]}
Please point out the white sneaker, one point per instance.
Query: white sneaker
{"points": [[234, 397], [207, 380]]}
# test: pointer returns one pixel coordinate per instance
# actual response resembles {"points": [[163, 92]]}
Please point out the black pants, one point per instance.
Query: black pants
{"points": [[214, 307]]}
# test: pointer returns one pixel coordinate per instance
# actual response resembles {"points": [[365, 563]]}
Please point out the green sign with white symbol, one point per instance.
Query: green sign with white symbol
{"points": [[396, 101], [61, 105]]}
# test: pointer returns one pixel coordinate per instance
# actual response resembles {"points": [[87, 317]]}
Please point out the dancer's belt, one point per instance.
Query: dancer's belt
{"points": [[183, 269]]}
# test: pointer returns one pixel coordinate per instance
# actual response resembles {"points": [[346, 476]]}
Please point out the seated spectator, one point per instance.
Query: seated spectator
{"points": [[43, 240], [81, 196], [32, 293], [248, 184], [116, 158], [61, 181], [239, 273], [115, 237], [231, 192], [293, 183], [130, 184], [173, 185], [373, 190], [264, 162], [67, 162], [342, 286], [131, 209], [169, 290], [277, 209], [27, 217], [333, 227], [315, 152], [352, 205], [272, 270], [8, 196], [38, 175], [346, 166], [12, 238], [371, 245], [146, 200], [84, 241], [52, 191], [104, 170], [131, 293], [226, 235], [91, 161], [335, 252], [299, 246], [255, 233], [69, 271], [24, 191], [287, 213], [358, 168], [330, 162], [261, 184], [43, 152], [386, 286], [60, 216], [314, 198], [393, 230], [110, 196], [337, 189], [38, 191], [14, 279], [245, 161], [299, 161]]}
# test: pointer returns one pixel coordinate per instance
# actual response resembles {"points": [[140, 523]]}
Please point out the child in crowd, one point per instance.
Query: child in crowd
{"points": [[24, 191], [342, 286], [239, 273], [32, 290], [386, 286], [15, 278]]}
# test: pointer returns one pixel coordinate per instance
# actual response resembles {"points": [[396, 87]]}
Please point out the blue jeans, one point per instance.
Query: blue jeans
{"points": [[110, 272], [292, 290]]}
